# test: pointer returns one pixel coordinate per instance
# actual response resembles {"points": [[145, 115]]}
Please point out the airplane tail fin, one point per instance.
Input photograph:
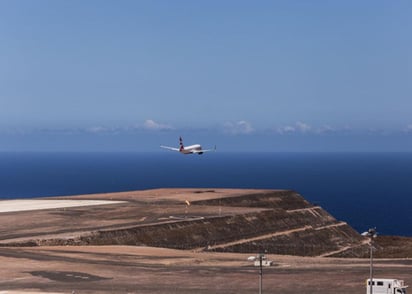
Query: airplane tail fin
{"points": [[181, 143]]}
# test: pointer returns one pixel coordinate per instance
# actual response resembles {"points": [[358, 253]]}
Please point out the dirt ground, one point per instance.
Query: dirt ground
{"points": [[134, 269], [130, 269]]}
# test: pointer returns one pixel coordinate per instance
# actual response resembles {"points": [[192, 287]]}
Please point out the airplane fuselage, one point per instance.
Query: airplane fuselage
{"points": [[191, 148]]}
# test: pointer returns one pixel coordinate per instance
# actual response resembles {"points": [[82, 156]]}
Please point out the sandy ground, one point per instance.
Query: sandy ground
{"points": [[127, 269]]}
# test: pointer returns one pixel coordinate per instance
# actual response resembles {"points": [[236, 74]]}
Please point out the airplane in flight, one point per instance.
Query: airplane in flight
{"points": [[192, 149]]}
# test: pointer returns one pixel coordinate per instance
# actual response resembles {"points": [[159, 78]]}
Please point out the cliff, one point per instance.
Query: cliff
{"points": [[272, 221]]}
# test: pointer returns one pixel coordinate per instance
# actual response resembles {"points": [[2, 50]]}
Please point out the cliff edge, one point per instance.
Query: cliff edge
{"points": [[222, 220]]}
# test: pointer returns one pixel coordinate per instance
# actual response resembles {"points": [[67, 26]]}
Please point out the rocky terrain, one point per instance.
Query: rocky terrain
{"points": [[277, 222]]}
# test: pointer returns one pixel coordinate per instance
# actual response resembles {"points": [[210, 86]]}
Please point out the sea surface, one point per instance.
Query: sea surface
{"points": [[364, 189]]}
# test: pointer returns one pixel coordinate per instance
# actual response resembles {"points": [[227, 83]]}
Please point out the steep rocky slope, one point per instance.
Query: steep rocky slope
{"points": [[277, 222]]}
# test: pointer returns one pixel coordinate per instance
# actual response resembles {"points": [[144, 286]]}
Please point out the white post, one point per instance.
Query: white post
{"points": [[371, 233], [260, 273], [371, 268]]}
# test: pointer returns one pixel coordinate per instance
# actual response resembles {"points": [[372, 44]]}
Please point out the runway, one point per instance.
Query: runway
{"points": [[39, 204]]}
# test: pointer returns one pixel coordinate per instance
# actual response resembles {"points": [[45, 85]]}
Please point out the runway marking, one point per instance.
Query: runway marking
{"points": [[25, 292], [38, 204], [11, 280]]}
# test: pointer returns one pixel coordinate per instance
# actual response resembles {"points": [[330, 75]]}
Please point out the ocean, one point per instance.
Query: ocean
{"points": [[364, 189]]}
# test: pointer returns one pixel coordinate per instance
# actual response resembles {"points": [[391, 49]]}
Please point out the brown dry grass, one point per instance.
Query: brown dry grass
{"points": [[393, 247]]}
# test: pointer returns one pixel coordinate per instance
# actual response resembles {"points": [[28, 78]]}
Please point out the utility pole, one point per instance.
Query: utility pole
{"points": [[371, 233], [260, 273], [259, 257]]}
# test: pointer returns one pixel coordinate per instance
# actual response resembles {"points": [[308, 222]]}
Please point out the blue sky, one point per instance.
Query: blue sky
{"points": [[245, 75]]}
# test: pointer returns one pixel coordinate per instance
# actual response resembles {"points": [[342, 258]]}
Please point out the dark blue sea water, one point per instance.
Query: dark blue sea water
{"points": [[363, 189]]}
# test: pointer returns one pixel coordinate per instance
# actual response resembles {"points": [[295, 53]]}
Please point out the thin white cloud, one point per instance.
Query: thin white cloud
{"points": [[150, 124], [302, 127], [408, 128], [286, 129], [325, 129], [240, 127], [298, 127], [13, 131], [98, 129]]}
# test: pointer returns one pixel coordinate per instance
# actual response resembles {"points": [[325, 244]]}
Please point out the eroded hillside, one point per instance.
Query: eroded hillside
{"points": [[276, 222]]}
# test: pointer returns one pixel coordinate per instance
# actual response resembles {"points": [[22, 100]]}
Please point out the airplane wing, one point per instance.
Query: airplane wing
{"points": [[203, 150], [170, 148]]}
